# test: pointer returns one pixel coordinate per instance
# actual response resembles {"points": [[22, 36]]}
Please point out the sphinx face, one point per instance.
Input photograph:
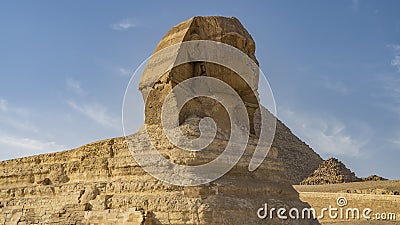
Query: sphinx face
{"points": [[219, 29]]}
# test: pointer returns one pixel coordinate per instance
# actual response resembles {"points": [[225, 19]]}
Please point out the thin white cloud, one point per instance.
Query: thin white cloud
{"points": [[3, 105], [124, 72], [75, 86], [394, 140], [334, 85], [392, 87], [396, 62], [15, 118], [396, 48], [123, 25], [390, 93], [355, 4], [96, 112], [326, 135], [396, 58], [21, 124], [28, 144], [17, 146]]}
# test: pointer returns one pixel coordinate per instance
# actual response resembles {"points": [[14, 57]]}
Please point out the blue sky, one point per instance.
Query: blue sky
{"points": [[334, 68]]}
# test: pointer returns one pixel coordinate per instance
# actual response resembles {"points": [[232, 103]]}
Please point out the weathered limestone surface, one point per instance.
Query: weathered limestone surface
{"points": [[101, 183], [299, 159]]}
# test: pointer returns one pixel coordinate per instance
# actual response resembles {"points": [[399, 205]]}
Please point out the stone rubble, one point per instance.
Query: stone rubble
{"points": [[331, 171]]}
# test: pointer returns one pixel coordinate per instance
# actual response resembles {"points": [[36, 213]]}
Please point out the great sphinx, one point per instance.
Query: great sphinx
{"points": [[102, 183]]}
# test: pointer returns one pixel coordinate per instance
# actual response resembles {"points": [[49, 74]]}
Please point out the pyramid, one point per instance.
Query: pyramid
{"points": [[331, 171], [300, 160], [101, 183], [373, 178]]}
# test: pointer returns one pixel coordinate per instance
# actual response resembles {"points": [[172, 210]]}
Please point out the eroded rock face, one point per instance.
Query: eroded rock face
{"points": [[331, 171], [213, 28], [101, 183], [107, 186], [299, 159]]}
